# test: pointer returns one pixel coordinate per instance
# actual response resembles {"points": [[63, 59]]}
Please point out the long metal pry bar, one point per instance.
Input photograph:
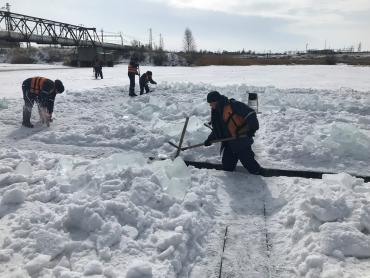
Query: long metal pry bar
{"points": [[182, 137]]}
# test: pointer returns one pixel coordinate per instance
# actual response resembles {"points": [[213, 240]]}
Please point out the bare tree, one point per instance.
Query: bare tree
{"points": [[189, 42]]}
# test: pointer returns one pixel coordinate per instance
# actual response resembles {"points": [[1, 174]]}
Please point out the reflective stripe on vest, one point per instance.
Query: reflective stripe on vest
{"points": [[36, 84], [132, 68], [234, 121]]}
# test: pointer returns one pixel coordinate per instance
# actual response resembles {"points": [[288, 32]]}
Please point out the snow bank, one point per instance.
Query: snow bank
{"points": [[301, 128], [343, 240], [81, 198], [115, 209], [324, 221]]}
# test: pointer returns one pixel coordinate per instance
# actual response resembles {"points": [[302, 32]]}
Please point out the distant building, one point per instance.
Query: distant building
{"points": [[320, 51], [6, 44]]}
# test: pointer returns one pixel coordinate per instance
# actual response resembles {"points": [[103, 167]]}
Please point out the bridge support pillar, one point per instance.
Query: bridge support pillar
{"points": [[86, 55]]}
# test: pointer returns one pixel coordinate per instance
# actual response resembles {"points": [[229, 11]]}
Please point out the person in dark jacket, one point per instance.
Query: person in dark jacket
{"points": [[231, 118], [144, 80], [98, 68], [133, 69], [42, 91]]}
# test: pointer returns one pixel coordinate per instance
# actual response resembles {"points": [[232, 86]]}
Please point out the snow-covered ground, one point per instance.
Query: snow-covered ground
{"points": [[81, 198]]}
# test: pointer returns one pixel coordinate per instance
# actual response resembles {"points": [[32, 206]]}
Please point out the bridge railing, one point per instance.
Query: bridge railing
{"points": [[23, 28]]}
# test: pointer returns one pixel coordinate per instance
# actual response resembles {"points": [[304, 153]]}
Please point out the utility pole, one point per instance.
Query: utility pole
{"points": [[359, 47], [120, 34], [161, 46], [150, 39], [8, 22], [102, 35]]}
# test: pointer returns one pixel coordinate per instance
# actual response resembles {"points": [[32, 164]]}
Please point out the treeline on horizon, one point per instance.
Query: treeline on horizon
{"points": [[160, 57]]}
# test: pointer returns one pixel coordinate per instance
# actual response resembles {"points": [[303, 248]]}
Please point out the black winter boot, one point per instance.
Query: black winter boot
{"points": [[27, 117], [29, 125]]}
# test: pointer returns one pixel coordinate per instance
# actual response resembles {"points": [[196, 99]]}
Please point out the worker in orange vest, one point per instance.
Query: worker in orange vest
{"points": [[42, 91], [231, 118], [133, 69]]}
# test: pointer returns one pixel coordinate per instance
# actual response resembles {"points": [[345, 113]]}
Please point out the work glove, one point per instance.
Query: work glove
{"points": [[207, 143]]}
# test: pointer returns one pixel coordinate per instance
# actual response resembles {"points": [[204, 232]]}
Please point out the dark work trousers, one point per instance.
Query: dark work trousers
{"points": [[29, 100], [144, 85], [98, 72], [240, 149], [131, 75]]}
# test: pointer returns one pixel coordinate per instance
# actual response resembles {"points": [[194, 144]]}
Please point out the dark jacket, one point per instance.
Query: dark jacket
{"points": [[98, 65], [145, 78], [42, 90], [220, 127]]}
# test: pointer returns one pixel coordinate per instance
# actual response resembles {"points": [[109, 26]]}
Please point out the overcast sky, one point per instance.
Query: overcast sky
{"points": [[260, 25]]}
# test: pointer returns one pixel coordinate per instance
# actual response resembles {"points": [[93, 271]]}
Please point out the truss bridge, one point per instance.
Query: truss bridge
{"points": [[23, 28]]}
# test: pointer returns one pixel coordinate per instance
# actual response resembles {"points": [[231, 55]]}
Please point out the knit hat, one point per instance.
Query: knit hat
{"points": [[213, 96], [149, 73], [59, 86]]}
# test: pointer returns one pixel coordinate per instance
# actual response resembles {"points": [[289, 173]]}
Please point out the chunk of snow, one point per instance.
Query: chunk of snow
{"points": [[8, 179], [340, 179], [5, 255], [327, 209], [109, 235], [166, 253], [142, 191], [49, 242], [348, 140], [119, 161], [139, 270], [83, 218], [37, 264], [345, 238], [174, 176], [130, 231], [13, 197], [93, 268], [24, 168], [168, 238]]}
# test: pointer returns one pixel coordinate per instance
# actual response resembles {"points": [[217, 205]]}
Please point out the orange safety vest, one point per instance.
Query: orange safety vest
{"points": [[132, 68], [233, 121], [36, 84]]}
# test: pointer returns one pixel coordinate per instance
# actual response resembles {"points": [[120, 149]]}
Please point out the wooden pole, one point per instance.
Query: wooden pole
{"points": [[182, 137]]}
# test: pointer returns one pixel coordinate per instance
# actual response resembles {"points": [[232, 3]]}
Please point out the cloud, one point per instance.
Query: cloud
{"points": [[300, 10], [218, 24], [342, 22]]}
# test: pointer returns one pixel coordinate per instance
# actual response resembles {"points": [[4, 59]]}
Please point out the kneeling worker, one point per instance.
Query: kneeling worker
{"points": [[231, 118], [42, 91], [144, 80]]}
